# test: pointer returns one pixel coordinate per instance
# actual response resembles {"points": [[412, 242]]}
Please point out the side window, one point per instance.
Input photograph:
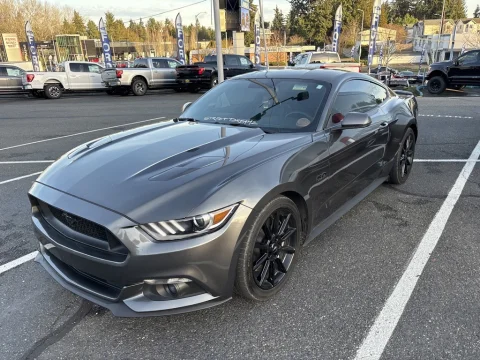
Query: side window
{"points": [[303, 59], [75, 67], [94, 69], [159, 63], [172, 64], [11, 71], [356, 96], [231, 60], [3, 71], [244, 61], [470, 58], [140, 63]]}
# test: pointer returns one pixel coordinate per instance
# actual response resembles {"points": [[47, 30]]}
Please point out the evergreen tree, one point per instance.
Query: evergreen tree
{"points": [[476, 13], [278, 23], [67, 27], [92, 30], [78, 24], [455, 9]]}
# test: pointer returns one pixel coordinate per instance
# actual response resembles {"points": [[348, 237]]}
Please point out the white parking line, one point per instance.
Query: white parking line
{"points": [[384, 325], [27, 162], [19, 178], [446, 160], [447, 116], [21, 260], [80, 133]]}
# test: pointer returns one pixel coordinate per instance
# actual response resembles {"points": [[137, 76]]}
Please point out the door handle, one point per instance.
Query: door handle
{"points": [[384, 124]]}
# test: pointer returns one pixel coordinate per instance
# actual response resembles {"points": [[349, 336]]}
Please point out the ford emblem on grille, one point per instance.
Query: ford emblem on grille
{"points": [[69, 219]]}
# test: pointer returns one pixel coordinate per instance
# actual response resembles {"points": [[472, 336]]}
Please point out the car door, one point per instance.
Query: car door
{"points": [[356, 155], [245, 65], [79, 76], [170, 72], [15, 75], [159, 73], [4, 80], [232, 66], [463, 69], [95, 77]]}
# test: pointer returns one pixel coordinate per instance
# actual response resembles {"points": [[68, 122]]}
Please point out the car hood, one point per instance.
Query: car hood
{"points": [[442, 64], [164, 171]]}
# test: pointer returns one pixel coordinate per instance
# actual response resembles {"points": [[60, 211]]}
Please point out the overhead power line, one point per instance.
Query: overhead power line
{"points": [[164, 12]]}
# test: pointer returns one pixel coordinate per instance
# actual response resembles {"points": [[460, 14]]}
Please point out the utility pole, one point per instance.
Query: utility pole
{"points": [[218, 40], [361, 31], [262, 24]]}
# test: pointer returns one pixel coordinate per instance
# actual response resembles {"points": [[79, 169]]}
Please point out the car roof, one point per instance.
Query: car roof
{"points": [[327, 75]]}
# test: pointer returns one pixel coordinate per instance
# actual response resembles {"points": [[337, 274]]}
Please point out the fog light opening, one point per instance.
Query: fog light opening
{"points": [[171, 289]]}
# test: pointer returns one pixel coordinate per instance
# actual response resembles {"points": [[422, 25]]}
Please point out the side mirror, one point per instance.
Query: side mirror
{"points": [[354, 120], [252, 66], [185, 106]]}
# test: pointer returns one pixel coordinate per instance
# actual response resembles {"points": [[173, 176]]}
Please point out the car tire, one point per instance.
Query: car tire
{"points": [[436, 85], [110, 92], [213, 81], [194, 89], [53, 91], [139, 87], [179, 90], [256, 247], [403, 161]]}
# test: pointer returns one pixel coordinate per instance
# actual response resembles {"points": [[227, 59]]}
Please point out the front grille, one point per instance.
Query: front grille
{"points": [[78, 224]]}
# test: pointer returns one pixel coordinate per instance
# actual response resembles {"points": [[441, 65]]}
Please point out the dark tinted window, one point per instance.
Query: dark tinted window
{"points": [[284, 105], [78, 67], [159, 63], [357, 96], [469, 58], [140, 63], [3, 71], [232, 60]]}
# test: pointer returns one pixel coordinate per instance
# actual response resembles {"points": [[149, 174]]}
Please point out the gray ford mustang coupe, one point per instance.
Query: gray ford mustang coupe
{"points": [[179, 215]]}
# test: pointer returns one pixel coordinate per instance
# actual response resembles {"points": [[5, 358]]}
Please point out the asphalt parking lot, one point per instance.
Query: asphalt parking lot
{"points": [[348, 287]]}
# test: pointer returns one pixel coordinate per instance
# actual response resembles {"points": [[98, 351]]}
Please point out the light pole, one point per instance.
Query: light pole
{"points": [[196, 31], [361, 31], [218, 40]]}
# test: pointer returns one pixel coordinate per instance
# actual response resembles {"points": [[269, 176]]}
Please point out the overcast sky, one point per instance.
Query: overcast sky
{"points": [[94, 9]]}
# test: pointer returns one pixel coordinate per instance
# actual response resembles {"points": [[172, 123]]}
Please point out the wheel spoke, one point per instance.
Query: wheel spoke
{"points": [[264, 274], [280, 266], [284, 225], [287, 249], [267, 231], [288, 234], [260, 261], [276, 220], [261, 246]]}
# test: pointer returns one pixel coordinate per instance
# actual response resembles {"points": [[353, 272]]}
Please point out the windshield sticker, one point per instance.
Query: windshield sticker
{"points": [[303, 122], [319, 87], [300, 87], [230, 120]]}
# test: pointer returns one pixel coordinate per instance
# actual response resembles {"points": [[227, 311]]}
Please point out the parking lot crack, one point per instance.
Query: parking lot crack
{"points": [[56, 335]]}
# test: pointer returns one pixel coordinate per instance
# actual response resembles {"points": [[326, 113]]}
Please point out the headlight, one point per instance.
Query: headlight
{"points": [[189, 227]]}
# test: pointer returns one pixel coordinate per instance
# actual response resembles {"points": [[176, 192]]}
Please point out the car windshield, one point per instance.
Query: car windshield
{"points": [[275, 105]]}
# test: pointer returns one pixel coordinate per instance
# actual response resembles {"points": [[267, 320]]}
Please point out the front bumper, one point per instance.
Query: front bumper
{"points": [[121, 280]]}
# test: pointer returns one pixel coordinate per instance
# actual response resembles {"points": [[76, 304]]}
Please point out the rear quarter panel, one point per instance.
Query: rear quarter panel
{"points": [[42, 78]]}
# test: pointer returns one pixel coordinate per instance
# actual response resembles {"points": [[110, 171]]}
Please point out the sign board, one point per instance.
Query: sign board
{"points": [[223, 20], [12, 47], [245, 4], [244, 19]]}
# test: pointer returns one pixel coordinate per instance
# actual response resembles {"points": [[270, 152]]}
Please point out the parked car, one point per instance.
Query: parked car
{"points": [[408, 75], [204, 75], [11, 79], [324, 60], [72, 76], [456, 74], [174, 216], [146, 73]]}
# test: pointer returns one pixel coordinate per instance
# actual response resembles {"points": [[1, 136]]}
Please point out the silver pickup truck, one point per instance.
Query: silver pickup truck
{"points": [[146, 73]]}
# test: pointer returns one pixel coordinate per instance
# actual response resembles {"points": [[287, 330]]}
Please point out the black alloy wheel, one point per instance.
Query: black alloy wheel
{"points": [[270, 250], [436, 85], [404, 159], [274, 249]]}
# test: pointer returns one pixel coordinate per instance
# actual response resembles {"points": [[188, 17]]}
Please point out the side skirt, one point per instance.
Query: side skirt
{"points": [[325, 224]]}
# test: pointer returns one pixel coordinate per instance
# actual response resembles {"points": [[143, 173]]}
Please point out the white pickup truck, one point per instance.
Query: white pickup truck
{"points": [[324, 60], [72, 76]]}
